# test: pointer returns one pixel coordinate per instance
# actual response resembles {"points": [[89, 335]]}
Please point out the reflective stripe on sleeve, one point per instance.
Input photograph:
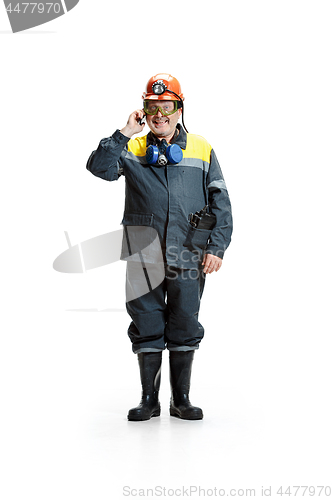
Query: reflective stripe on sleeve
{"points": [[220, 184]]}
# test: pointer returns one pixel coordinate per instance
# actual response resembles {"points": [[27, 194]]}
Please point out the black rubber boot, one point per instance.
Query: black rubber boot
{"points": [[150, 373], [180, 377]]}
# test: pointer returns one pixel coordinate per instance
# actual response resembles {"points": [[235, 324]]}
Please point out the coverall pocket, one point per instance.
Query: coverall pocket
{"points": [[140, 239], [197, 239], [138, 219]]}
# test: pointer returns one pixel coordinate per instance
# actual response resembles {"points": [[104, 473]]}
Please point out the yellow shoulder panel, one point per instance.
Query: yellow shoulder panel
{"points": [[137, 146], [197, 147]]}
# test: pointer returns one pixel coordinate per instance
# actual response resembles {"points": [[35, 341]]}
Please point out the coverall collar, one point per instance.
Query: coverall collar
{"points": [[181, 138]]}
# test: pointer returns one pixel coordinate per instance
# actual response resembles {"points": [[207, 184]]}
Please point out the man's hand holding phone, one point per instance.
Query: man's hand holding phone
{"points": [[135, 123]]}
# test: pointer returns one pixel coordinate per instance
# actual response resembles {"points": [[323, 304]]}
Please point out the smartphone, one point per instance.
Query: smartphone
{"points": [[142, 120]]}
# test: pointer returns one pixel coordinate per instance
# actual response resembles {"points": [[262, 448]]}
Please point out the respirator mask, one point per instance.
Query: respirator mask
{"points": [[164, 154]]}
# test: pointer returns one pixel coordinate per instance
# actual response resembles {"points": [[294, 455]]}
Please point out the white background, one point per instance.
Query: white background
{"points": [[257, 78]]}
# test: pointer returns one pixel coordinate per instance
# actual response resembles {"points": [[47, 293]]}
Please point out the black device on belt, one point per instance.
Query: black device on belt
{"points": [[202, 219]]}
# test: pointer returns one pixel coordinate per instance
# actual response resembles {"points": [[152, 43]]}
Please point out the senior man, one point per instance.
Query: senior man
{"points": [[174, 184]]}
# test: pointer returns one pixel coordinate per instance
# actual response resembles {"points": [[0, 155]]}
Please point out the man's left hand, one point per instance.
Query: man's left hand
{"points": [[211, 263]]}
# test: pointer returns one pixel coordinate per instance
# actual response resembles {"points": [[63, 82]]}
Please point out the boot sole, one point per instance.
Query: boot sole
{"points": [[174, 413], [139, 418]]}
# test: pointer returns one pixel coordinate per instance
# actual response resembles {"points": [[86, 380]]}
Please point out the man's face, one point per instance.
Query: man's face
{"points": [[160, 125]]}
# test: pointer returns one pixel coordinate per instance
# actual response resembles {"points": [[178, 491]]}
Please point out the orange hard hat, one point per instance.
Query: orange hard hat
{"points": [[163, 87]]}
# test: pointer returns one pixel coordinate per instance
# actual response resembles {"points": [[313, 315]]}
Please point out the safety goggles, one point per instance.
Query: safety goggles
{"points": [[167, 108]]}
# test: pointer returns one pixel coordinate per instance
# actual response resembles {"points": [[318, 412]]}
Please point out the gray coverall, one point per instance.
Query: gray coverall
{"points": [[162, 197]]}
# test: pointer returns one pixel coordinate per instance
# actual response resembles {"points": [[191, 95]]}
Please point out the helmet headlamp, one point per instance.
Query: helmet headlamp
{"points": [[159, 87]]}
